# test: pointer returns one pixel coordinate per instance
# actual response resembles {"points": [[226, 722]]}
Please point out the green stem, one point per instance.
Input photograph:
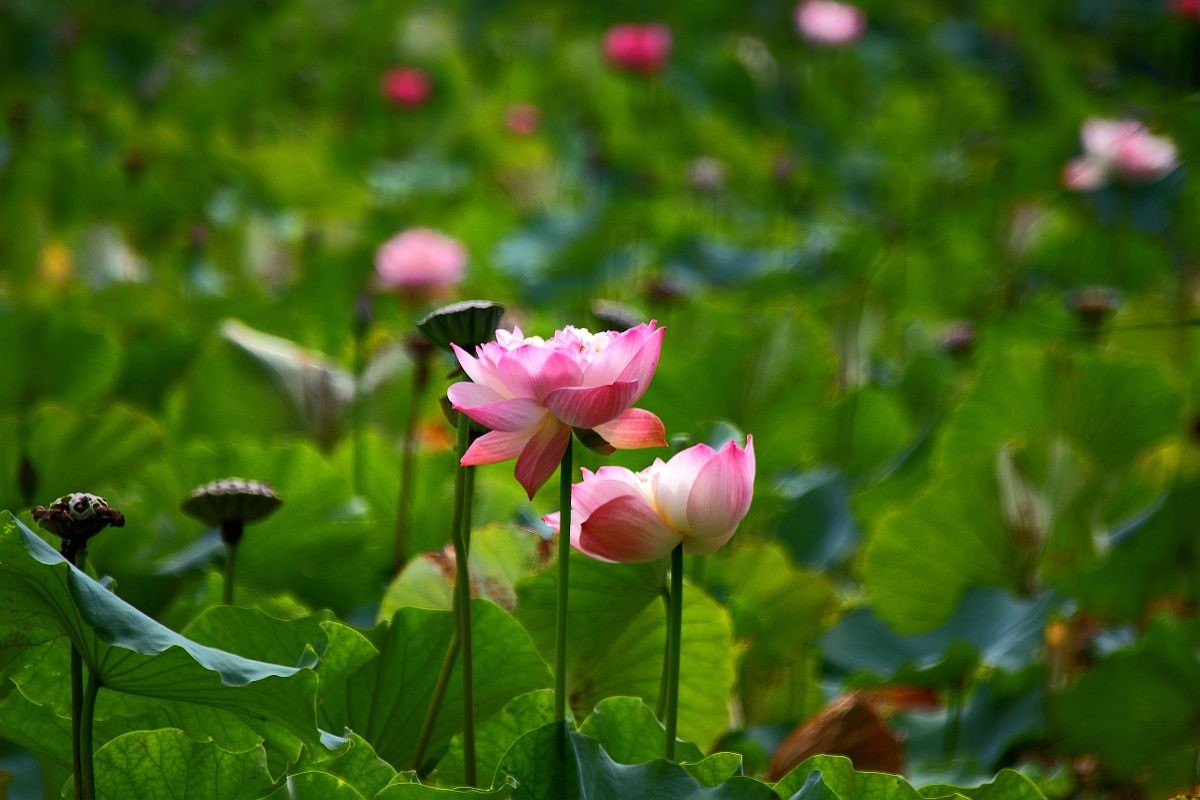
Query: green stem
{"points": [[435, 702], [954, 723], [76, 719], [74, 555], [462, 593], [230, 566], [88, 713], [357, 411], [674, 640], [660, 708], [564, 570], [404, 502]]}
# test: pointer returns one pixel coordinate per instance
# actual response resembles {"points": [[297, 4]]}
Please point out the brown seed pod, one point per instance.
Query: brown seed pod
{"points": [[77, 517], [229, 503]]}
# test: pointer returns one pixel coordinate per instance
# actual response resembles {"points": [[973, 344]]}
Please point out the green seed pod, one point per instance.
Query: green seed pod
{"points": [[229, 503], [467, 324]]}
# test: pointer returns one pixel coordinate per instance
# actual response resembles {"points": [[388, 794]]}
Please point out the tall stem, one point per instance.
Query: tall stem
{"points": [[660, 708], [954, 723], [435, 702], [408, 448], [460, 521], [88, 713], [230, 566], [564, 572], [356, 421], [674, 639], [75, 555]]}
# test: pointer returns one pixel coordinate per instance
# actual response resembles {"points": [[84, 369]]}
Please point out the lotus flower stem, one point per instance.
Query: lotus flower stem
{"points": [[660, 708], [464, 487], [356, 421], [408, 449], [72, 553], [230, 566], [564, 570], [87, 714], [674, 639], [954, 713], [460, 522]]}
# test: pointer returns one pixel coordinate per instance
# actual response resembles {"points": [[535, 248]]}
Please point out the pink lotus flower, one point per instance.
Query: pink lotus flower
{"points": [[419, 263], [830, 23], [1122, 148], [1187, 9], [406, 87], [530, 392], [638, 48], [698, 498], [522, 119]]}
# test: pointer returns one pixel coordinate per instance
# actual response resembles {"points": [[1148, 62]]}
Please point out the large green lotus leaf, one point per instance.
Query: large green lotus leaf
{"points": [[354, 762], [841, 782], [617, 633], [924, 555], [555, 763], [495, 735], [386, 700], [402, 790], [1008, 785], [1159, 542], [990, 628], [132, 653], [165, 763], [319, 545], [500, 556], [315, 785], [815, 523], [628, 731], [73, 452], [333, 649], [53, 357], [1111, 409], [1138, 708]]}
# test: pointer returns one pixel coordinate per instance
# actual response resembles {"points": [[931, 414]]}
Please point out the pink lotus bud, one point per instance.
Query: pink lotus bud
{"points": [[531, 392], [1144, 158], [420, 263], [523, 119], [638, 48], [830, 23], [698, 498], [405, 87]]}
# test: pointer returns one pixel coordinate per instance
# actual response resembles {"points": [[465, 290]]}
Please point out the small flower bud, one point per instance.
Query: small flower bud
{"points": [[959, 339], [467, 324]]}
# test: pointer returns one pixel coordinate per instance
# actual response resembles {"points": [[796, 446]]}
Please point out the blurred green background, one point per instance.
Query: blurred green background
{"points": [[864, 255]]}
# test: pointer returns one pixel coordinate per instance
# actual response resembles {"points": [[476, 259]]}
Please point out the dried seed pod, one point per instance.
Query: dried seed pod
{"points": [[230, 503], [77, 517], [616, 316]]}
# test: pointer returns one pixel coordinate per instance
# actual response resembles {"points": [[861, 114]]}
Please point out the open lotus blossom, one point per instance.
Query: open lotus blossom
{"points": [[531, 392], [830, 23], [638, 48], [420, 263], [406, 87], [697, 498], [1120, 148]]}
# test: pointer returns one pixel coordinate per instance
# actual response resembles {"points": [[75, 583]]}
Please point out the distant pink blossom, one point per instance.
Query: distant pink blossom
{"points": [[1122, 149], [420, 263], [531, 392], [523, 119], [638, 48], [698, 498], [830, 23], [1188, 9], [406, 87]]}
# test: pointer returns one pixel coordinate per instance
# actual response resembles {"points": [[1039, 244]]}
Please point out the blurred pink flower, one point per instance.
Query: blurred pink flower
{"points": [[530, 392], [406, 87], [638, 48], [523, 119], [1122, 148], [1188, 9], [420, 263], [830, 23], [698, 498]]}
